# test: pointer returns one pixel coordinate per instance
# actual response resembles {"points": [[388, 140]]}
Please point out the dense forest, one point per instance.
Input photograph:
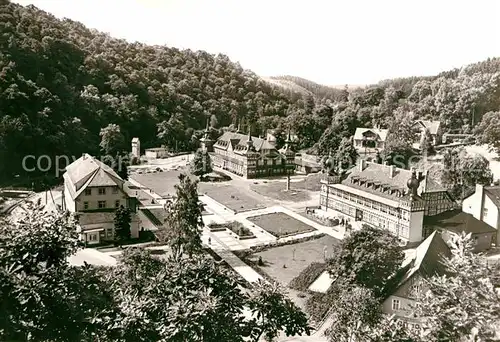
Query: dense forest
{"points": [[61, 84]]}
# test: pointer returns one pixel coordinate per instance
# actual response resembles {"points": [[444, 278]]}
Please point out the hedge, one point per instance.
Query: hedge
{"points": [[307, 276]]}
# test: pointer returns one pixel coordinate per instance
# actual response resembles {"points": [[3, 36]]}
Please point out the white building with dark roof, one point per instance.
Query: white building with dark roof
{"points": [[94, 191], [252, 157], [422, 263], [369, 141], [387, 197], [484, 205]]}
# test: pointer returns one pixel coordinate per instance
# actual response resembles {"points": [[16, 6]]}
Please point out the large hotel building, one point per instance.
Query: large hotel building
{"points": [[387, 197]]}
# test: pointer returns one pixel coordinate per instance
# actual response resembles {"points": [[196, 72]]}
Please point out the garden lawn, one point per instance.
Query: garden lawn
{"points": [[305, 254], [280, 224]]}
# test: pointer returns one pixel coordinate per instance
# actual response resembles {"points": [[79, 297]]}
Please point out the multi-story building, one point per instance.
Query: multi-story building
{"points": [[369, 141], [252, 157], [484, 205], [94, 191], [422, 263], [387, 197], [434, 128]]}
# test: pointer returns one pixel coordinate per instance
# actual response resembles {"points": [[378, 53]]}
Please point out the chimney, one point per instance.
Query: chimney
{"points": [[84, 156], [362, 164], [392, 171], [479, 192]]}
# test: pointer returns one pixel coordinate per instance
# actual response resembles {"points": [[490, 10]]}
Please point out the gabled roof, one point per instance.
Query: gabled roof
{"points": [[458, 221], [88, 171], [360, 132], [493, 192], [432, 126], [238, 139], [427, 259]]}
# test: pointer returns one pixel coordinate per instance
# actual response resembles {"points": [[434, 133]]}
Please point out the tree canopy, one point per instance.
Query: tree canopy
{"points": [[142, 298], [63, 84]]}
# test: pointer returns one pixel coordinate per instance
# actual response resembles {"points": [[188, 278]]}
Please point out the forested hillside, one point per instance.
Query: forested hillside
{"points": [[318, 90], [61, 84]]}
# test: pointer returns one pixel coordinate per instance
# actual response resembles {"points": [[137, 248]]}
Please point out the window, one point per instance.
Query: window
{"points": [[396, 305], [109, 232], [102, 191], [88, 192], [117, 203], [101, 204], [85, 205], [115, 190], [92, 237], [485, 213]]}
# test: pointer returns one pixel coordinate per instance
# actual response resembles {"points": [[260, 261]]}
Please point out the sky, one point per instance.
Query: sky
{"points": [[332, 42]]}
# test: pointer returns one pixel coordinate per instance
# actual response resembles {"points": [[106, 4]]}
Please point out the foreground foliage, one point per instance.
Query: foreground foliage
{"points": [[143, 298]]}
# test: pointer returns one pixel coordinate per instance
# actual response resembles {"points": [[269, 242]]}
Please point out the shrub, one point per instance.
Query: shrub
{"points": [[307, 276], [318, 304]]}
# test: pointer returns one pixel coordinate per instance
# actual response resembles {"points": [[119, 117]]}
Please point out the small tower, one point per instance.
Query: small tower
{"points": [[251, 155], [206, 142], [289, 155], [136, 147]]}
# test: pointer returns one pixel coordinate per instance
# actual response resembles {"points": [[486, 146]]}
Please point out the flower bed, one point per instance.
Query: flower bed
{"points": [[237, 228]]}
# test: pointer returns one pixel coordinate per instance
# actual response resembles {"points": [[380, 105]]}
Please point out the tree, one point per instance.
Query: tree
{"points": [[122, 224], [184, 220], [369, 257], [488, 130], [426, 145], [201, 163], [462, 171], [355, 312], [112, 139], [465, 303], [121, 164], [196, 300], [143, 298], [43, 297], [346, 155]]}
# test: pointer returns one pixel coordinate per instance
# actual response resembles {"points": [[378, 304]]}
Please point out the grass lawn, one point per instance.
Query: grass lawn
{"points": [[230, 196], [305, 254], [280, 224]]}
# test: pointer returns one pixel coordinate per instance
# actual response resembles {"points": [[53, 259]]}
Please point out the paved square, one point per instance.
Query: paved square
{"points": [[280, 224]]}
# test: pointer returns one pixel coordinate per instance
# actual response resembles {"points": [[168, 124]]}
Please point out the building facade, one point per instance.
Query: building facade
{"points": [[252, 157], [378, 195], [156, 153], [94, 191], [434, 128], [422, 263], [484, 205], [136, 148], [369, 141], [458, 222]]}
